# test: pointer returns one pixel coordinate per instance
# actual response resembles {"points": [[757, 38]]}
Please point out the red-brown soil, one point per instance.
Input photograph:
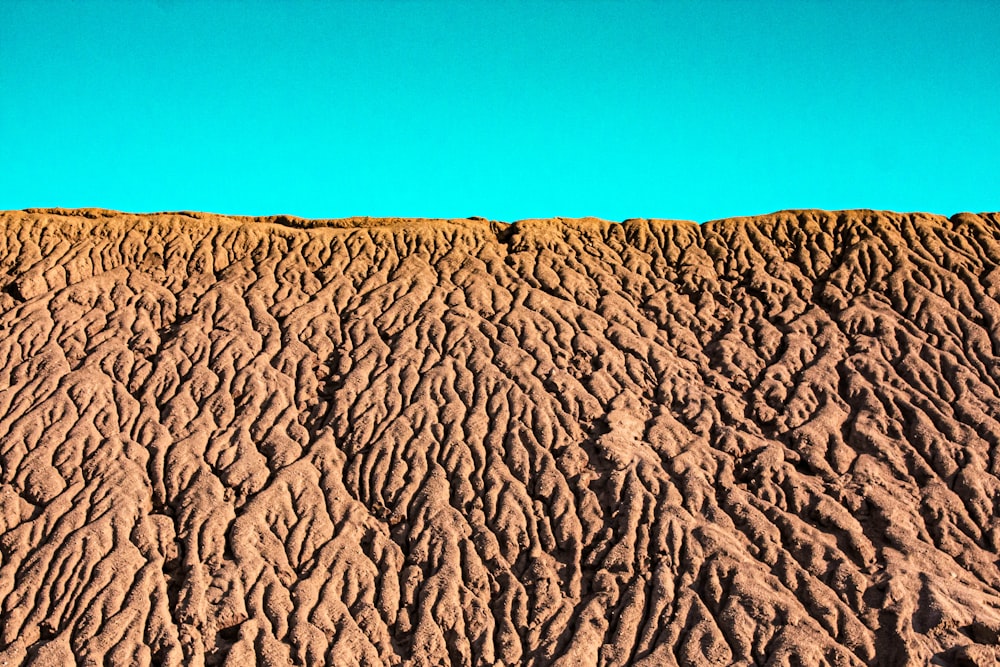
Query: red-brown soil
{"points": [[770, 440]]}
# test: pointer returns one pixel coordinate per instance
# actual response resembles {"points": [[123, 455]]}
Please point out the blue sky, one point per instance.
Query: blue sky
{"points": [[506, 110]]}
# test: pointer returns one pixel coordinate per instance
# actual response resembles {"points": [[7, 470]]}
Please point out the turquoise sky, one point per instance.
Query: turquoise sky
{"points": [[506, 110]]}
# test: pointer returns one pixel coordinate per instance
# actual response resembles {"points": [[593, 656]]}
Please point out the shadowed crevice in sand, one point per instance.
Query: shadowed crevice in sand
{"points": [[231, 440]]}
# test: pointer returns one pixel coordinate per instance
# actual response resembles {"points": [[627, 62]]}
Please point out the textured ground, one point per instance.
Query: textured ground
{"points": [[759, 441]]}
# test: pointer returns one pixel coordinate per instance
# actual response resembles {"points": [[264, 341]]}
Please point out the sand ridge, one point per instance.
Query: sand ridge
{"points": [[233, 441]]}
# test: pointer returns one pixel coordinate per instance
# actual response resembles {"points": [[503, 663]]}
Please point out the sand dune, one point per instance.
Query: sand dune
{"points": [[235, 441]]}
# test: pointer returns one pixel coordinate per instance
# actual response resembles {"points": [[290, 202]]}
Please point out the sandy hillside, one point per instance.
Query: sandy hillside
{"points": [[771, 440]]}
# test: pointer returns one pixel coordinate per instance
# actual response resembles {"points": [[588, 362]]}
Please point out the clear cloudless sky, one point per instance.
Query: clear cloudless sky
{"points": [[506, 110]]}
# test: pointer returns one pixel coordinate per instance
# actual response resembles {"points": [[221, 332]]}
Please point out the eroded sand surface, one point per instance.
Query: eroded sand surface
{"points": [[761, 441]]}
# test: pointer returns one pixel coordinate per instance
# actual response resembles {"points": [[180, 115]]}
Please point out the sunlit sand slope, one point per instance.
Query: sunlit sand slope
{"points": [[771, 440]]}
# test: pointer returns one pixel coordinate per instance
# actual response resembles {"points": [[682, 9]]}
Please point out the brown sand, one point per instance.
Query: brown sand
{"points": [[771, 440]]}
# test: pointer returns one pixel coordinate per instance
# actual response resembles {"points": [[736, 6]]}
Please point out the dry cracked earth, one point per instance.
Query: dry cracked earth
{"points": [[759, 441]]}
